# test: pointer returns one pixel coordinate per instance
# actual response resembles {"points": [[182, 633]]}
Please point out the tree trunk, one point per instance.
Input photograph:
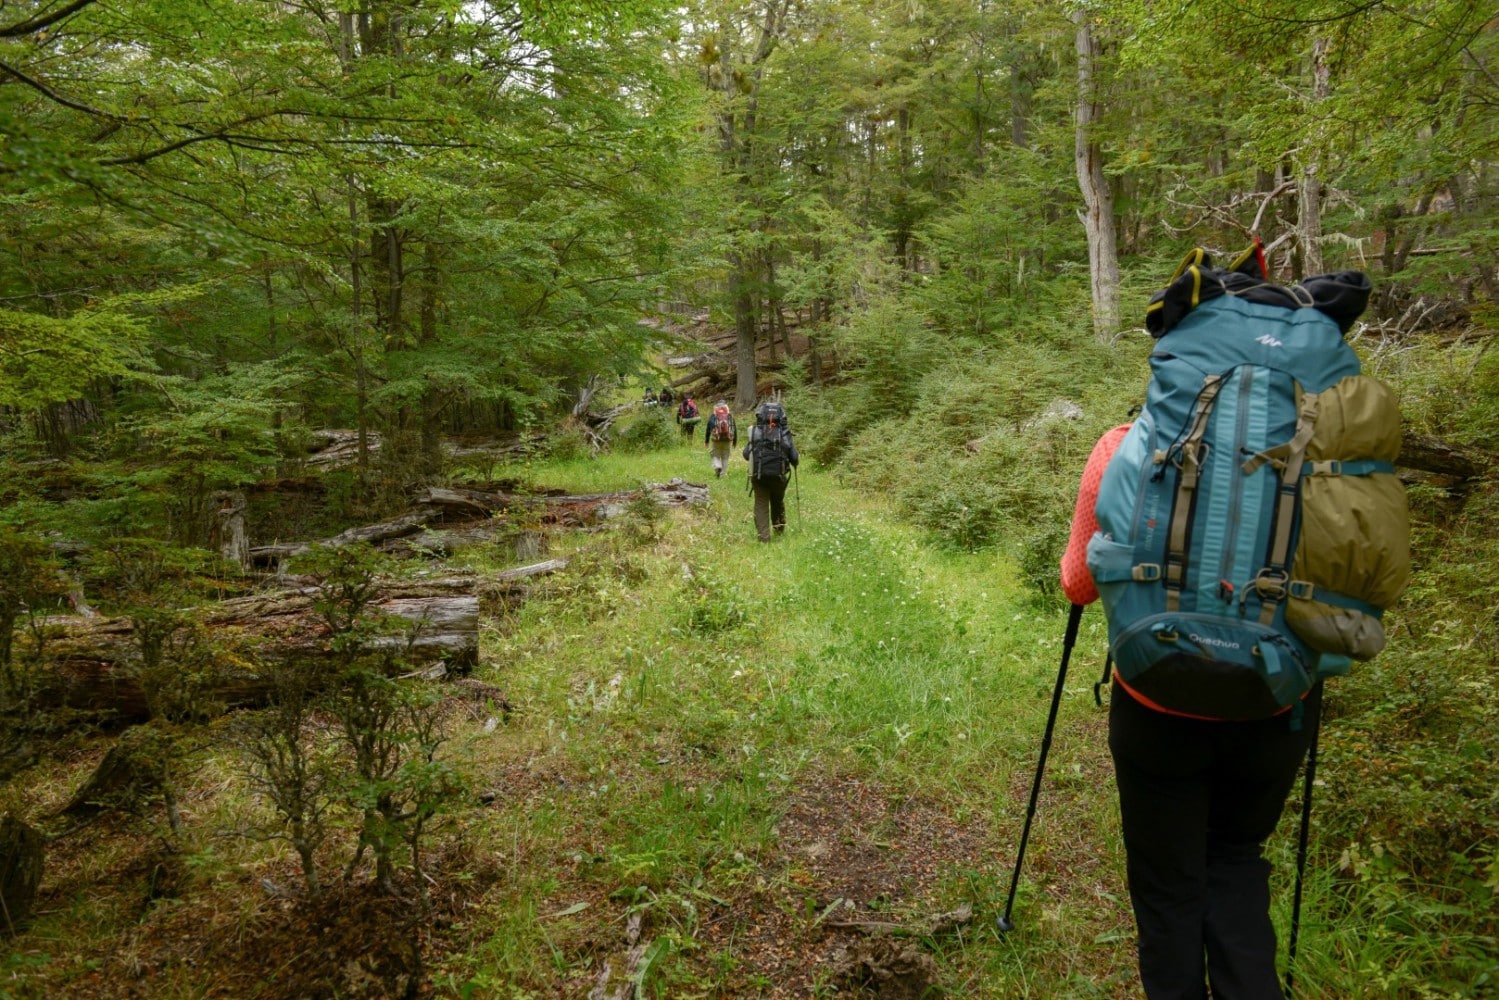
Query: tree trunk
{"points": [[431, 415], [1309, 187], [746, 383], [347, 53], [770, 316], [230, 527], [1098, 201]]}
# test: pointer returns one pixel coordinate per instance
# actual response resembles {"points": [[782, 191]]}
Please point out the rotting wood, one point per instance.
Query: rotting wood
{"points": [[1430, 454], [495, 452], [335, 448], [130, 774], [93, 664], [463, 507], [934, 926], [22, 854]]}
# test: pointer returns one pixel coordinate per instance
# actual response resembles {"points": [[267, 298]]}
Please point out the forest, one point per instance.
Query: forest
{"points": [[363, 634]]}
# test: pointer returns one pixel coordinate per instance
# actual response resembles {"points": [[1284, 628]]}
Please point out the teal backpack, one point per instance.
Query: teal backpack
{"points": [[1251, 527]]}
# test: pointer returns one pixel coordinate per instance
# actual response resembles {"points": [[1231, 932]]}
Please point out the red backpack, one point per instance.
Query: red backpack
{"points": [[723, 427]]}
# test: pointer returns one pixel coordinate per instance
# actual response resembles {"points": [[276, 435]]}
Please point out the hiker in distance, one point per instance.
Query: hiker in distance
{"points": [[1220, 531], [772, 455], [687, 416], [719, 436]]}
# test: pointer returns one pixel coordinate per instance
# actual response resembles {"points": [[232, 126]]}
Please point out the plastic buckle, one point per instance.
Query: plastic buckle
{"points": [[1270, 584], [1167, 635], [1146, 572], [1302, 590], [1192, 454]]}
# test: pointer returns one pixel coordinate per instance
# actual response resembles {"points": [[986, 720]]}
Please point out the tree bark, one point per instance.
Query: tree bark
{"points": [[229, 509], [1309, 185], [1098, 199]]}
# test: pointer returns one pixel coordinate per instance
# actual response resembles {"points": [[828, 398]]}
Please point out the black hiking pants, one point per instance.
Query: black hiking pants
{"points": [[770, 505], [1198, 800]]}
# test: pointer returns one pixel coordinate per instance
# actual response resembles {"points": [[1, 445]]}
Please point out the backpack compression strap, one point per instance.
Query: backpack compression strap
{"points": [[1191, 453], [1272, 582]]}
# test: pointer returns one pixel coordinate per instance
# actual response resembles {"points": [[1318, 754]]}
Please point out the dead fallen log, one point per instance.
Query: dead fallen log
{"points": [[451, 505], [407, 524], [1431, 454], [335, 448], [676, 493], [94, 665], [494, 452]]}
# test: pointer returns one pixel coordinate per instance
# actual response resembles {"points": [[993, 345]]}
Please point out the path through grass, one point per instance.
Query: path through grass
{"points": [[754, 746]]}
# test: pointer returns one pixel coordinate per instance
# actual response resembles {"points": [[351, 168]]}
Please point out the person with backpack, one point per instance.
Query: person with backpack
{"points": [[665, 397], [719, 436], [1245, 533], [687, 416], [772, 455]]}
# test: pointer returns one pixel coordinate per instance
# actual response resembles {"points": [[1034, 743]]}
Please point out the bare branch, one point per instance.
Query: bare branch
{"points": [[1254, 227], [43, 20], [54, 96]]}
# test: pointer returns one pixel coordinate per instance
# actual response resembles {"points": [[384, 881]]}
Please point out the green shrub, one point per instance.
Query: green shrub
{"points": [[651, 429], [569, 443]]}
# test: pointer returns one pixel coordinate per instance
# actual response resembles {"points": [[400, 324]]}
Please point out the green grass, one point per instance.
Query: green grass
{"points": [[693, 707]]}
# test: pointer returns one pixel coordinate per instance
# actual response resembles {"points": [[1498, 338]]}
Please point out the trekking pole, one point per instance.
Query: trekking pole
{"points": [[1074, 618], [1306, 814], [796, 478]]}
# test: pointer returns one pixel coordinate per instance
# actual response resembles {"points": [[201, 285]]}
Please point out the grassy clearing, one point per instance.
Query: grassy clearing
{"points": [[748, 743]]}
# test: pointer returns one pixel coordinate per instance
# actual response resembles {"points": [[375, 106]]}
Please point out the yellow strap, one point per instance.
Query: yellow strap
{"points": [[1194, 257], [1242, 259], [1290, 474]]}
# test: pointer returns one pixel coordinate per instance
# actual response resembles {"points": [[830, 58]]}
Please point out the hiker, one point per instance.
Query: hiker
{"points": [[719, 436], [772, 455], [687, 416], [1198, 799], [665, 397], [650, 398], [1218, 642]]}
